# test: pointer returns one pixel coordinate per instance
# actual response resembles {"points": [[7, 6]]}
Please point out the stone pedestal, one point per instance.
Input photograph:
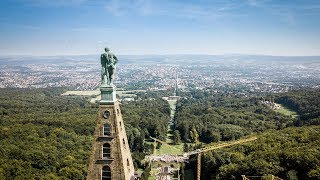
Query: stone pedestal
{"points": [[108, 95]]}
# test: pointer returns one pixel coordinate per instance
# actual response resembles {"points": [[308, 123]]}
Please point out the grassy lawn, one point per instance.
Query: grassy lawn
{"points": [[169, 138], [168, 149], [286, 111], [172, 103], [172, 149]]}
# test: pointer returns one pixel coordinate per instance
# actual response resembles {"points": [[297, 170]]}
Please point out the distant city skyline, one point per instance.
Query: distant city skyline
{"points": [[139, 27]]}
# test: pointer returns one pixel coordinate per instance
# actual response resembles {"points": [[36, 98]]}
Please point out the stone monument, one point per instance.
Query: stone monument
{"points": [[111, 158], [108, 65]]}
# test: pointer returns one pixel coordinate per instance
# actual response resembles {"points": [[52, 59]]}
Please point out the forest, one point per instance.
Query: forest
{"points": [[283, 148], [291, 153], [144, 118], [44, 135], [305, 102], [216, 117], [47, 136]]}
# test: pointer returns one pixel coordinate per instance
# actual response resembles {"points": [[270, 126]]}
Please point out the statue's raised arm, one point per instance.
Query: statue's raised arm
{"points": [[108, 63]]}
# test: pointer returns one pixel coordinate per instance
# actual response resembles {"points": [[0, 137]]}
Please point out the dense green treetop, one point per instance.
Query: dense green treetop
{"points": [[44, 135], [282, 149], [47, 136], [291, 153], [305, 102], [226, 117]]}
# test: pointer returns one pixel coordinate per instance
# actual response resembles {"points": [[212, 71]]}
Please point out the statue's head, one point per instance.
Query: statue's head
{"points": [[106, 49]]}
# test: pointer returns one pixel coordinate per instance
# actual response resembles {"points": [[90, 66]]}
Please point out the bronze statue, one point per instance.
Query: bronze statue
{"points": [[108, 63]]}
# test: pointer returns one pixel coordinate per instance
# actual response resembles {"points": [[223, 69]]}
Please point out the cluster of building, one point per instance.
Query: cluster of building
{"points": [[240, 77], [272, 105], [81, 77], [167, 158]]}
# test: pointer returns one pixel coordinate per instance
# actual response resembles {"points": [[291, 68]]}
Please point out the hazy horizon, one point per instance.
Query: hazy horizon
{"points": [[228, 54]]}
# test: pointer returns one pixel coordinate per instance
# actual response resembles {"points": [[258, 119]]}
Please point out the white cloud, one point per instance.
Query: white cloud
{"points": [[252, 2], [258, 3], [128, 7], [169, 8], [115, 7], [285, 13]]}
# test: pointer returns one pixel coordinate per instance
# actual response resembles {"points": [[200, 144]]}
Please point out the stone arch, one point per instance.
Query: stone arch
{"points": [[106, 129], [106, 150], [105, 173]]}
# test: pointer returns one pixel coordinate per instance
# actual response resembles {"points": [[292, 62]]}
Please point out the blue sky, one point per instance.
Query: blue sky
{"points": [[76, 27]]}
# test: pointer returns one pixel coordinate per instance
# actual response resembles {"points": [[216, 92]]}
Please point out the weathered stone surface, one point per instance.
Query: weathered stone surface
{"points": [[108, 95], [120, 162]]}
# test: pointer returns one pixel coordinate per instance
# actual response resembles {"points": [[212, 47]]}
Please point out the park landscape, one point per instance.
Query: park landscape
{"points": [[57, 135], [153, 90]]}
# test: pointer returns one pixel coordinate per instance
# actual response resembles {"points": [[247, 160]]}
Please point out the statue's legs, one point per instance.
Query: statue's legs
{"points": [[104, 77], [107, 76], [110, 69]]}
